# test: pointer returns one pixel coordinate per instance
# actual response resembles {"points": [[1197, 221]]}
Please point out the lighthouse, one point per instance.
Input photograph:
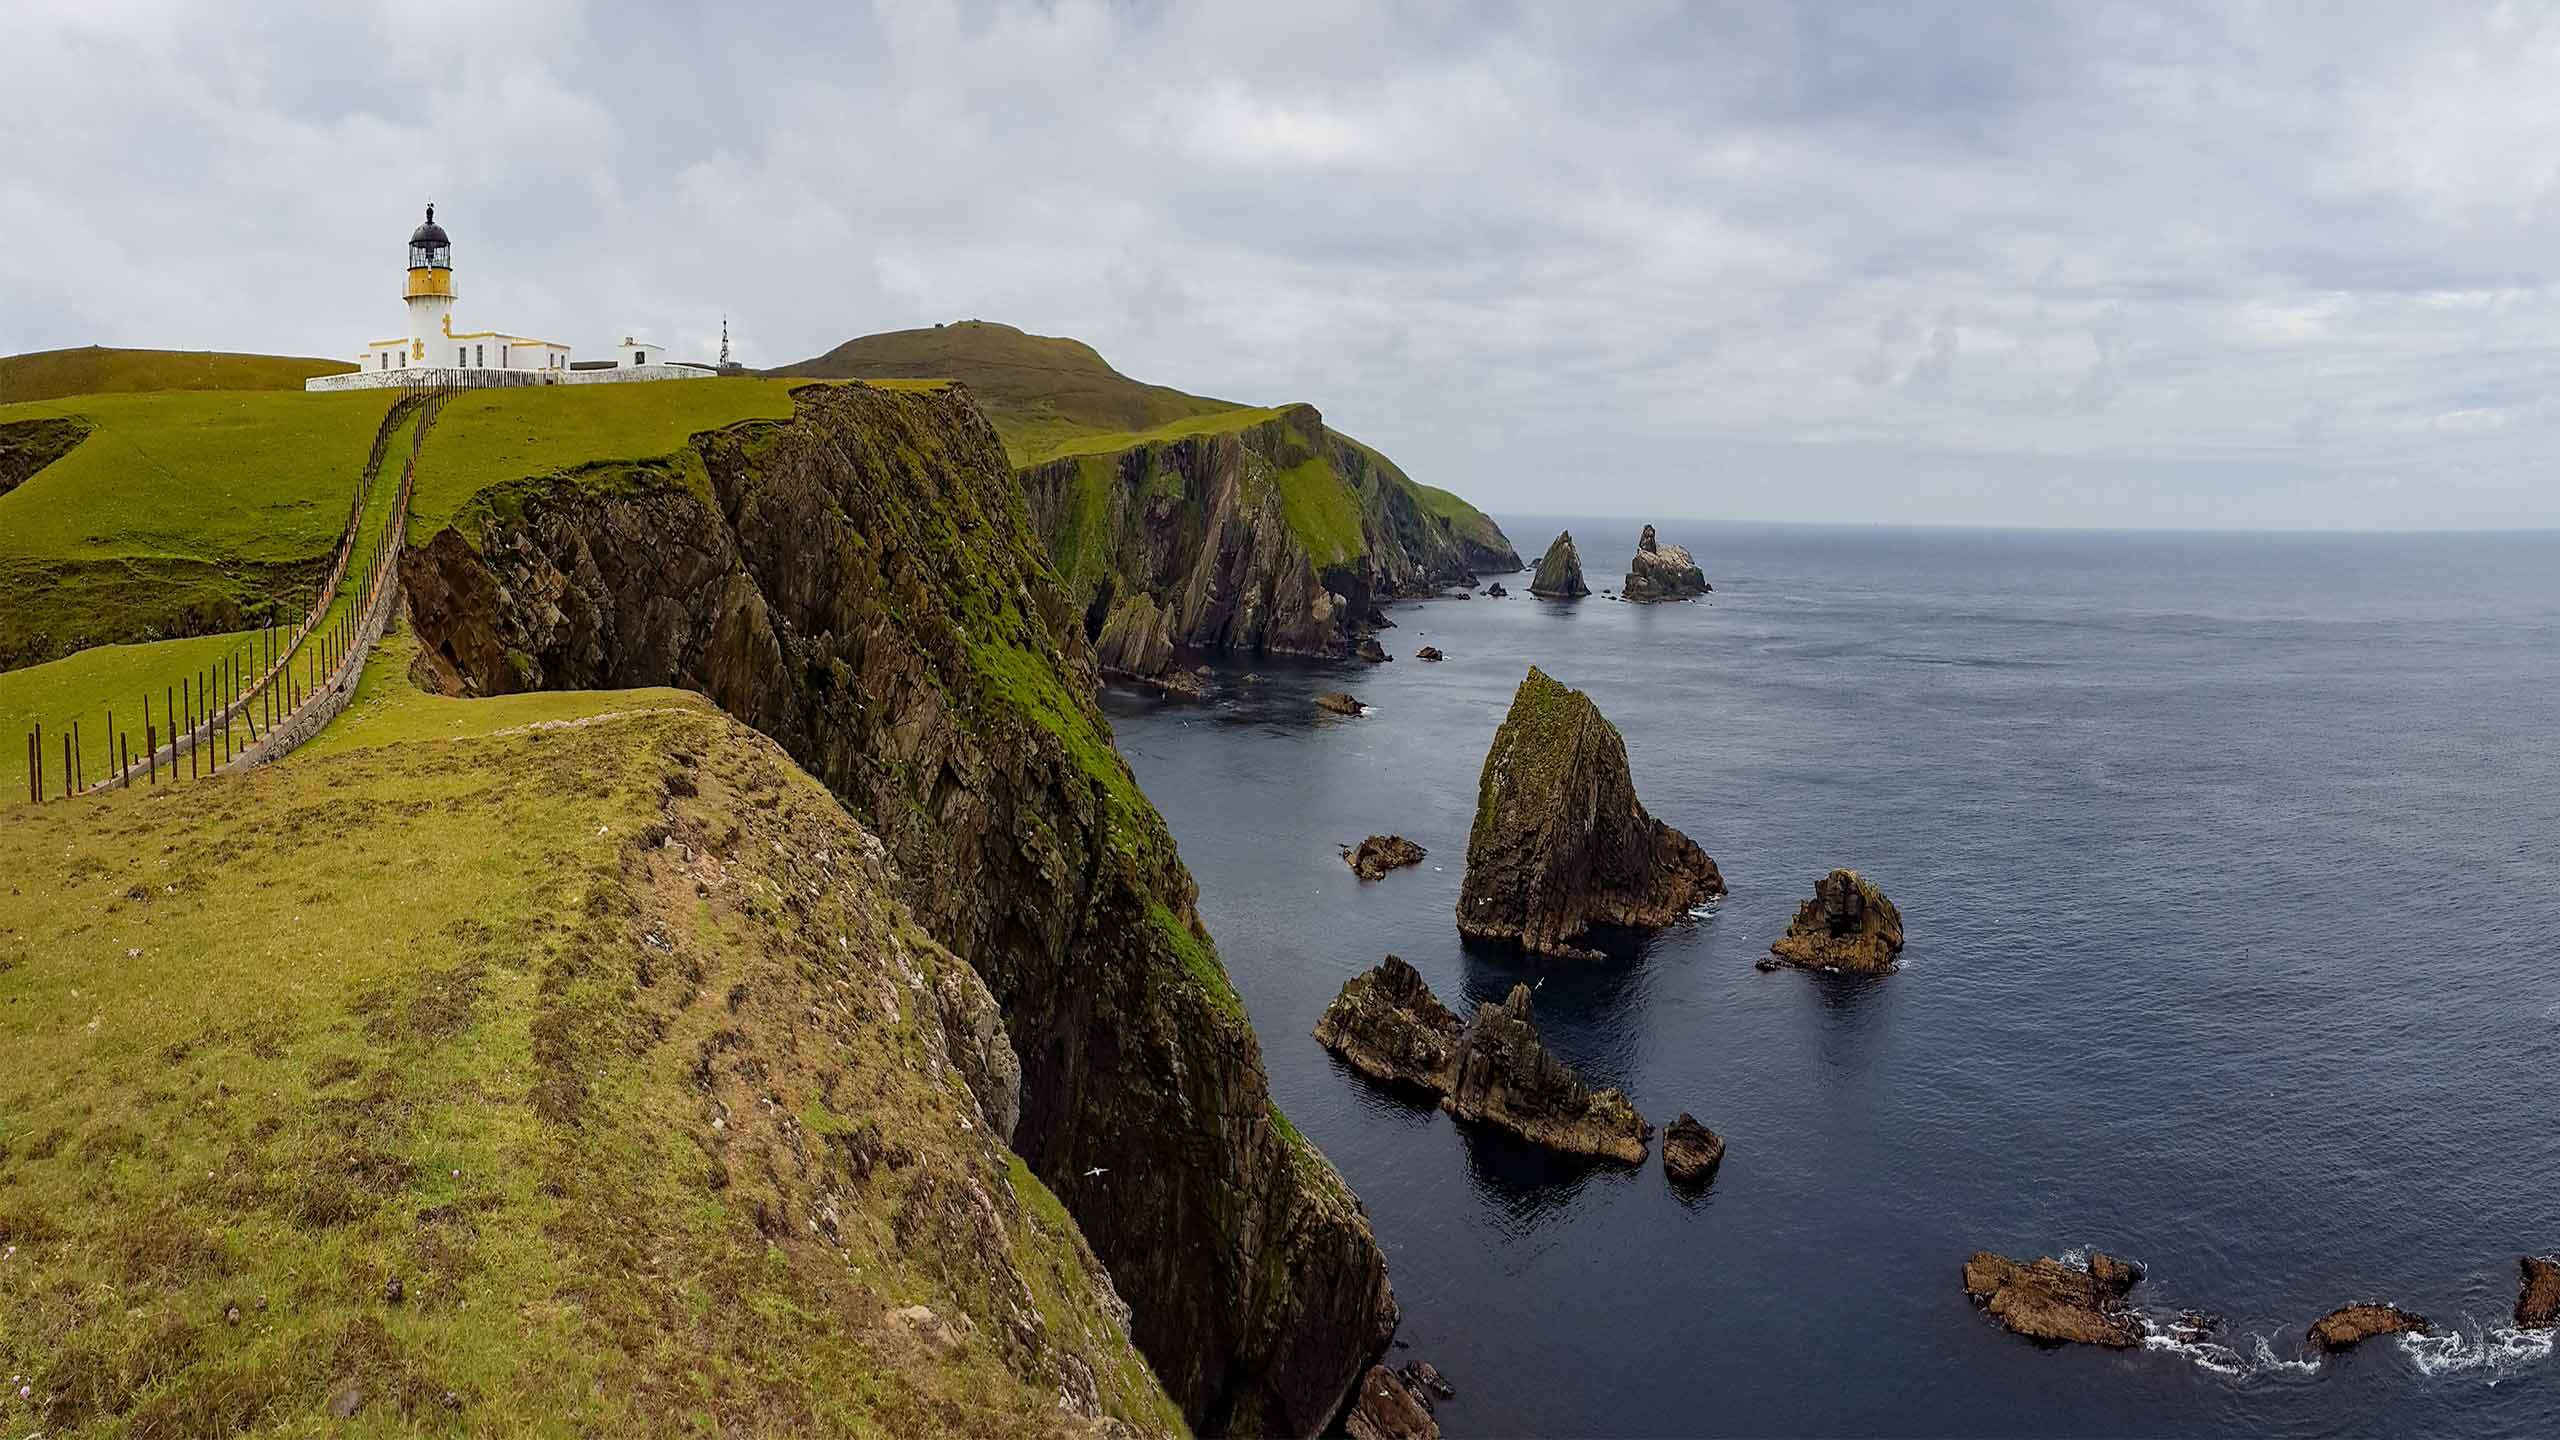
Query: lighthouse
{"points": [[429, 289]]}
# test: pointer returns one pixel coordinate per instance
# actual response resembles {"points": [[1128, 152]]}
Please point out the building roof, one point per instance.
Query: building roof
{"points": [[430, 233]]}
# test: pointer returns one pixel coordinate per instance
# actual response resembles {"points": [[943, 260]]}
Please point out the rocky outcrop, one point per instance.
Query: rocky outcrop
{"points": [[862, 583], [1429, 652], [1663, 572], [2538, 1298], [1560, 842], [1271, 533], [1372, 858], [1370, 650], [1559, 572], [1848, 925], [1495, 591], [1690, 1151], [1391, 1407], [1506, 1077], [1336, 702], [2054, 1300], [2351, 1325], [1389, 1026]]}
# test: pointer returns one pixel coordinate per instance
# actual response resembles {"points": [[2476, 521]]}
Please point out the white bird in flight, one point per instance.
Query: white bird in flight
{"points": [[1096, 1170]]}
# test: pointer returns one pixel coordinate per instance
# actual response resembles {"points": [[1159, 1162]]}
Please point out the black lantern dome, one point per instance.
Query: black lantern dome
{"points": [[429, 247]]}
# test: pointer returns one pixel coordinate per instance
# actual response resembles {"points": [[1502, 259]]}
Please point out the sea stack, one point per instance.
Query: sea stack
{"points": [[1506, 1077], [1389, 1026], [1848, 925], [1690, 1151], [1560, 841], [2053, 1300], [2351, 1325], [1335, 702], [1663, 572], [1374, 857], [1559, 572], [2538, 1302]]}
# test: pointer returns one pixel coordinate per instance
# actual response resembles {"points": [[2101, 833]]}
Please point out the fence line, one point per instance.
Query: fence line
{"points": [[293, 674]]}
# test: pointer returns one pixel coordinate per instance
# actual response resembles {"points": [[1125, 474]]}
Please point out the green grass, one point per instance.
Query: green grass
{"points": [[179, 514], [388, 710], [97, 370], [84, 687], [1042, 392], [1321, 512], [460, 1005], [1099, 442], [486, 438]]}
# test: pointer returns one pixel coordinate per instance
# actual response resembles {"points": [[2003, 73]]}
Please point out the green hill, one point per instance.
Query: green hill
{"points": [[97, 370], [468, 1076], [1045, 394]]}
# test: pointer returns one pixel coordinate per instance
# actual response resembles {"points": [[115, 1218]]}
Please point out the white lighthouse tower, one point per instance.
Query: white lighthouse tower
{"points": [[429, 290]]}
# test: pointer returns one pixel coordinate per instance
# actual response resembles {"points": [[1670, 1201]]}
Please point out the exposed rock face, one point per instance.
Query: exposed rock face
{"points": [[1690, 1151], [1506, 1077], [1196, 535], [1560, 841], [1370, 650], [1336, 702], [2538, 1301], [1390, 1026], [864, 586], [2351, 1325], [1847, 925], [2051, 1300], [1390, 1407], [1559, 572], [1378, 854], [1429, 652], [1663, 572]]}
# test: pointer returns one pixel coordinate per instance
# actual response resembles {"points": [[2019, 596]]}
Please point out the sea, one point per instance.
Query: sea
{"points": [[2230, 866]]}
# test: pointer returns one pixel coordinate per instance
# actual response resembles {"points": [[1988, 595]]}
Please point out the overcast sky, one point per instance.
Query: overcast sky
{"points": [[2092, 265]]}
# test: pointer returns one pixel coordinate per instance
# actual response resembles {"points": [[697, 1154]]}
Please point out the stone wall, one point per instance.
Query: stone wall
{"points": [[420, 377]]}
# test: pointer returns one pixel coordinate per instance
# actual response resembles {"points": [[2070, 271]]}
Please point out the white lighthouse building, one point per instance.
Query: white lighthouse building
{"points": [[433, 352]]}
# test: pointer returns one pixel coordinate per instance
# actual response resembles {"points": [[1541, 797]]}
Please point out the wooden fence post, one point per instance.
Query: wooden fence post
{"points": [[151, 747], [77, 772]]}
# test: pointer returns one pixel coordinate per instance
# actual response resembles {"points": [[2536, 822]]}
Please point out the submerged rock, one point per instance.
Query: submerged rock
{"points": [[1337, 702], [1690, 1151], [2538, 1302], [1389, 1025], [1390, 1407], [2351, 1325], [2053, 1300], [1559, 572], [1506, 1077], [1379, 854], [1371, 651], [1663, 572], [1847, 925], [1560, 841], [1429, 652]]}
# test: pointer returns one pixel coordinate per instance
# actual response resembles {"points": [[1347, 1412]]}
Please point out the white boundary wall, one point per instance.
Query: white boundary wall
{"points": [[491, 377]]}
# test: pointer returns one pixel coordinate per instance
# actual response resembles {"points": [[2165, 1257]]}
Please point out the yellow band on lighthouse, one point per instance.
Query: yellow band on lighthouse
{"points": [[429, 282]]}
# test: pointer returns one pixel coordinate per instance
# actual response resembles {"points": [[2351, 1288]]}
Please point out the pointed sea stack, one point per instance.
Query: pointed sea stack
{"points": [[1560, 840], [1847, 925], [1559, 572], [1506, 1077], [1663, 572]]}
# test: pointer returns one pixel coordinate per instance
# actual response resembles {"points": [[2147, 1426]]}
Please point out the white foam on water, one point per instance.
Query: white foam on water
{"points": [[2495, 1351], [1703, 910], [2227, 1361]]}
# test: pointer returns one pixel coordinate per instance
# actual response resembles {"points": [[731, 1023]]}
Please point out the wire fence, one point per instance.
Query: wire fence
{"points": [[275, 691]]}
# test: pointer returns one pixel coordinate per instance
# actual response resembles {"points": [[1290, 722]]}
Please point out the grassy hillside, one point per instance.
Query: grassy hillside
{"points": [[178, 513], [97, 370], [1047, 395], [84, 687], [548, 1065]]}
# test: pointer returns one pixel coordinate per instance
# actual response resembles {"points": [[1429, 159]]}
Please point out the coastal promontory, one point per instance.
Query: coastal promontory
{"points": [[1560, 841]]}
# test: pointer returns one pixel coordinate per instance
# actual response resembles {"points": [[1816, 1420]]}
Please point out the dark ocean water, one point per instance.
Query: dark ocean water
{"points": [[2231, 866]]}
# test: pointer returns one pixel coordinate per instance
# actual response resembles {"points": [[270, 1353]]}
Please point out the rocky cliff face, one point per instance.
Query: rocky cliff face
{"points": [[862, 583], [1389, 1026], [1560, 841], [1506, 1076], [1559, 572], [1277, 535]]}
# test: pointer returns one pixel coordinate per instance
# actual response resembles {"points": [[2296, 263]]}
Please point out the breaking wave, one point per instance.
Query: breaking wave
{"points": [[2497, 1351]]}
